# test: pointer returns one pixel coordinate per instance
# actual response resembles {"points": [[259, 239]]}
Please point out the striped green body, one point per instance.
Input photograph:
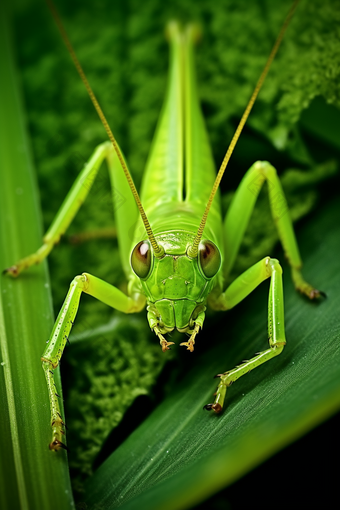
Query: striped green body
{"points": [[179, 175]]}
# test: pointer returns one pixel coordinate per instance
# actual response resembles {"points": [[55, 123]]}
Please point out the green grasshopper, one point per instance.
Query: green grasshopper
{"points": [[182, 259]]}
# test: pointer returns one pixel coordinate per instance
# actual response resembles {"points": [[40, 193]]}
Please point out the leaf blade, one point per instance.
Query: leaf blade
{"points": [[31, 476]]}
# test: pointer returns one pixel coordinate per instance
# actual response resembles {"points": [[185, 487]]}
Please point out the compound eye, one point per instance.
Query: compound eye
{"points": [[141, 259], [210, 258]]}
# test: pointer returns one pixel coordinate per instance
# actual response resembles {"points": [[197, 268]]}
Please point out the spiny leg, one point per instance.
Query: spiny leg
{"points": [[67, 211], [51, 357], [239, 214], [235, 293]]}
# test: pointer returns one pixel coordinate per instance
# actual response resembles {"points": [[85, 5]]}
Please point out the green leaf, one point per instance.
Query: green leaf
{"points": [[31, 476], [181, 455]]}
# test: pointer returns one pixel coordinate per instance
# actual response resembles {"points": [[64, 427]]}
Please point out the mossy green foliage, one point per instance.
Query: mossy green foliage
{"points": [[124, 53]]}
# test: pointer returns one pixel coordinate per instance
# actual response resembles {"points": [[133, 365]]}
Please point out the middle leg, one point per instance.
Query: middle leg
{"points": [[239, 214]]}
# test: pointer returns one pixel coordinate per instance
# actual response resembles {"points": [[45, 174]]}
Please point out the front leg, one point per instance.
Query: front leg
{"points": [[67, 211], [51, 357], [235, 293]]}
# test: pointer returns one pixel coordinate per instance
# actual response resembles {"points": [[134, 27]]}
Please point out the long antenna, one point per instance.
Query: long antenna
{"points": [[193, 250], [158, 250]]}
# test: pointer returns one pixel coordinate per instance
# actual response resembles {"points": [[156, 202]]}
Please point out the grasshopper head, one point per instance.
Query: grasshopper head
{"points": [[176, 285]]}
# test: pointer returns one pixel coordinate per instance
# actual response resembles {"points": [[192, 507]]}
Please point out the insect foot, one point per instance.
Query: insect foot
{"points": [[57, 433], [213, 407], [189, 344], [12, 271], [305, 288], [220, 394], [31, 260], [164, 343], [57, 423], [315, 294]]}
